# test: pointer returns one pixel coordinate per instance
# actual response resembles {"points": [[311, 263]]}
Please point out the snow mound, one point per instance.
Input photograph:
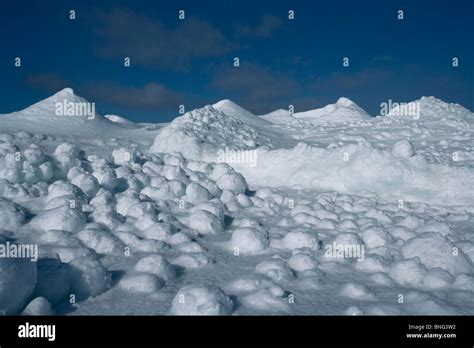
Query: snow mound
{"points": [[357, 291], [266, 303], [11, 215], [38, 306], [141, 282], [122, 122], [157, 265], [230, 108], [44, 116], [302, 262], [361, 169], [432, 107], [280, 116], [446, 255], [201, 300], [249, 240], [88, 277], [252, 283], [343, 110], [205, 131], [62, 218]]}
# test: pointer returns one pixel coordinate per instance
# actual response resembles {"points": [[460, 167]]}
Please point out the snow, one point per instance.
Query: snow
{"points": [[276, 269], [403, 148], [122, 122], [141, 282], [52, 280], [17, 282], [302, 262], [374, 237], [152, 219], [38, 306], [61, 218], [342, 110], [356, 291], [248, 240], [233, 182], [88, 277], [447, 256], [204, 223], [230, 108], [101, 241], [296, 239], [11, 215], [201, 300], [196, 193], [157, 265], [265, 302]]}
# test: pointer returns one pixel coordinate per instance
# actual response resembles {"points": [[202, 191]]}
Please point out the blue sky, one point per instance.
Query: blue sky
{"points": [[190, 61]]}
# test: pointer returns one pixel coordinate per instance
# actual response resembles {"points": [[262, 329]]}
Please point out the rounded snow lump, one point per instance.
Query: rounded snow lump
{"points": [[403, 148], [157, 265], [88, 277], [233, 182], [11, 215], [139, 282], [39, 306], [249, 240], [436, 251], [302, 262], [201, 300], [17, 282], [205, 223], [196, 193], [87, 183]]}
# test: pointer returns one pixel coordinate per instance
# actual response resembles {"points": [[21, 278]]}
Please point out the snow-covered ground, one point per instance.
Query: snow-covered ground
{"points": [[327, 211]]}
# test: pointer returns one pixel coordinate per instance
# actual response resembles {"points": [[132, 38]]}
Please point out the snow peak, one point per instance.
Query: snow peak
{"points": [[37, 331]]}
